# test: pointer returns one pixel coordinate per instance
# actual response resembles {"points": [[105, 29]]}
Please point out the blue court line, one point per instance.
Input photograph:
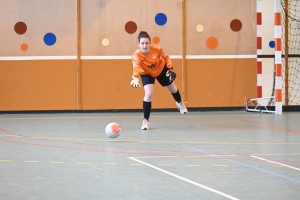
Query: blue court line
{"points": [[246, 165]]}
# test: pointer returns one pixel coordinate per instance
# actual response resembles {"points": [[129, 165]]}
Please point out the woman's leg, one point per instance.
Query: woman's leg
{"points": [[165, 81], [174, 91], [176, 95], [149, 90], [172, 88]]}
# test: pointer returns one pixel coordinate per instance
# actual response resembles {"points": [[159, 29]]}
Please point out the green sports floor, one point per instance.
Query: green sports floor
{"points": [[197, 156]]}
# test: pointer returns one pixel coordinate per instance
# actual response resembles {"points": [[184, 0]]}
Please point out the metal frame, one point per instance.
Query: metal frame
{"points": [[278, 63], [258, 107]]}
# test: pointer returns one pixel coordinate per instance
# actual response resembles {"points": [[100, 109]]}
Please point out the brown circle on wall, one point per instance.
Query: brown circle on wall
{"points": [[130, 27], [20, 28], [236, 25]]}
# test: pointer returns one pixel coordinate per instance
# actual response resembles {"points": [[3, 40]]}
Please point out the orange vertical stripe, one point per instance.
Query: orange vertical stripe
{"points": [[277, 44], [259, 91], [259, 67], [278, 93], [259, 43], [277, 19], [278, 68], [258, 19]]}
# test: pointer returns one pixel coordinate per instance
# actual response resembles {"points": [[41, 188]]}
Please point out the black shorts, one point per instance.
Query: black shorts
{"points": [[161, 78]]}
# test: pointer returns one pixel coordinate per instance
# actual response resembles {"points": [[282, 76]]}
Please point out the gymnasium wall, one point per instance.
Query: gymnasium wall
{"points": [[76, 54]]}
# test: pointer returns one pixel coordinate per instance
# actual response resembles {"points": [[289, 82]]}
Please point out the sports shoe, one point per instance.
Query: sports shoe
{"points": [[145, 125], [182, 107]]}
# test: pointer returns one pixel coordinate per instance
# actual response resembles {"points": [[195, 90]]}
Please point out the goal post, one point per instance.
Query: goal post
{"points": [[257, 104], [278, 60], [284, 93]]}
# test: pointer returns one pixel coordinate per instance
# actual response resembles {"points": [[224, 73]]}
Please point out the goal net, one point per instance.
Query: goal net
{"points": [[290, 20], [290, 55]]}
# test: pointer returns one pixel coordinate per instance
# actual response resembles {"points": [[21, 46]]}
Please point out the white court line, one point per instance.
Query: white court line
{"points": [[276, 154], [122, 57], [185, 179], [71, 57], [158, 157], [270, 161], [209, 156], [184, 156]]}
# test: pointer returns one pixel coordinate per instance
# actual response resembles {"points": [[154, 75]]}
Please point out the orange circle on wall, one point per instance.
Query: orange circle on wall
{"points": [[212, 42], [24, 47], [156, 40]]}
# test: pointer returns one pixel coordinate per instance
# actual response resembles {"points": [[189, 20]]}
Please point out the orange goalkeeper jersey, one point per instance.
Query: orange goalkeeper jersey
{"points": [[151, 64]]}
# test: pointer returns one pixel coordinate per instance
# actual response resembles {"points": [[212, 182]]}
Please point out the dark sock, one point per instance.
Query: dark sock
{"points": [[177, 96], [146, 109]]}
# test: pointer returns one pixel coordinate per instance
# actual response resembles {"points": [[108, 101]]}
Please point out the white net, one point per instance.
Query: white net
{"points": [[290, 24], [290, 20]]}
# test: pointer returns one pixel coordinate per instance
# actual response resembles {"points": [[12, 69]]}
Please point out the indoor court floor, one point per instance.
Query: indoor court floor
{"points": [[197, 156]]}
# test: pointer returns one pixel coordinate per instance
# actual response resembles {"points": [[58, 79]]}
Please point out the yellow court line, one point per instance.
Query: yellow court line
{"points": [[193, 165], [30, 161], [162, 141], [164, 165], [220, 143], [122, 117], [5, 135], [83, 163], [5, 160], [51, 138], [278, 166], [56, 162], [83, 139], [56, 118], [221, 165]]}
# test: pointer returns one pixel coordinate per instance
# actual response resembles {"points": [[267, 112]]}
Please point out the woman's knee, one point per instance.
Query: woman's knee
{"points": [[148, 97], [149, 91]]}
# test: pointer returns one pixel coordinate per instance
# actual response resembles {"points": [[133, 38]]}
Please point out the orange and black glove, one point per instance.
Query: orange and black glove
{"points": [[171, 74]]}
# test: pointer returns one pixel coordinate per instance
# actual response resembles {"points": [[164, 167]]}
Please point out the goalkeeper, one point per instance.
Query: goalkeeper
{"points": [[152, 62]]}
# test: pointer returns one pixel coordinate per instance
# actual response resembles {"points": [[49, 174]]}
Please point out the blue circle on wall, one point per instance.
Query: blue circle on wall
{"points": [[272, 44], [49, 39], [161, 19]]}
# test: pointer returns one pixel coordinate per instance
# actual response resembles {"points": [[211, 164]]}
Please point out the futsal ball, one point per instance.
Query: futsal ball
{"points": [[113, 130]]}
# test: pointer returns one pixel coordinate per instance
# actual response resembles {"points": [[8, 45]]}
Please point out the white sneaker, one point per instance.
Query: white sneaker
{"points": [[182, 107], [145, 125]]}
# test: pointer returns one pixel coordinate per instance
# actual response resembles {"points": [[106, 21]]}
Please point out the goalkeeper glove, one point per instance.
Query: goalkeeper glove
{"points": [[135, 82], [171, 74]]}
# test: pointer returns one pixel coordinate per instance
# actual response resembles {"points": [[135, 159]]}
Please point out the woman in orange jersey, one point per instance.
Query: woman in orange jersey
{"points": [[152, 62]]}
